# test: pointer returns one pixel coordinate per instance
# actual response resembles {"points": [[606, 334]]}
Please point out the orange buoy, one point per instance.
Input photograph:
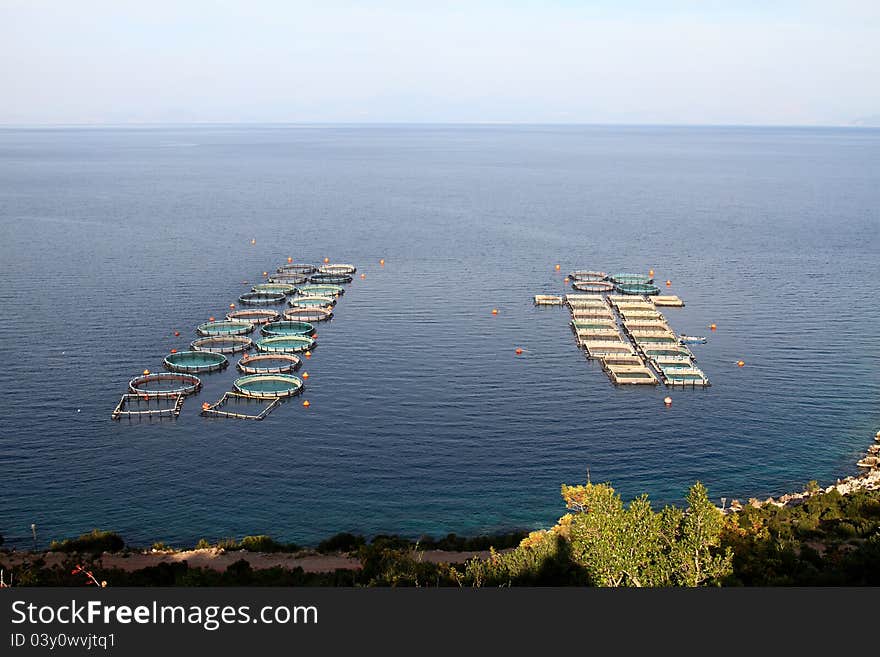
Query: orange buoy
{"points": [[305, 375], [289, 260], [518, 351], [253, 241], [211, 319], [206, 405], [651, 273], [265, 273], [494, 311], [558, 267], [363, 276], [667, 401], [315, 335], [174, 351], [306, 403], [382, 262], [740, 363], [712, 327], [308, 354], [177, 334], [668, 283], [146, 372], [326, 260], [232, 305], [565, 280]]}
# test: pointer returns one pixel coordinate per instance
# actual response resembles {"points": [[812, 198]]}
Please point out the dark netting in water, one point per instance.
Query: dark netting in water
{"points": [[631, 278], [165, 384], [195, 362], [337, 268], [286, 343], [278, 288], [287, 328], [229, 327], [254, 315], [312, 302], [262, 298], [222, 344], [296, 268], [320, 290], [240, 407], [269, 363], [637, 288], [288, 277], [337, 279], [587, 275], [268, 385], [308, 314]]}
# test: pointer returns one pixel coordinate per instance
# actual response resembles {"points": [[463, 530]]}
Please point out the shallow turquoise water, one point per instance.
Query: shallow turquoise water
{"points": [[422, 418]]}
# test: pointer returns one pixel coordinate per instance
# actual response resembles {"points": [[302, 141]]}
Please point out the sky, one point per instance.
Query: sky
{"points": [[777, 62]]}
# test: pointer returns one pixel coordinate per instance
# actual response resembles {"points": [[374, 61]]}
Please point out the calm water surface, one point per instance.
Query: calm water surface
{"points": [[422, 418]]}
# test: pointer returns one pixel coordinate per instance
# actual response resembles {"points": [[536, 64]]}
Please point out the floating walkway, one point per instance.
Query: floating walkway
{"points": [[144, 407], [616, 322], [224, 407]]}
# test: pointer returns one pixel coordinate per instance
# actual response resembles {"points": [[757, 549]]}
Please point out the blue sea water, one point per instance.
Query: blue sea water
{"points": [[422, 418]]}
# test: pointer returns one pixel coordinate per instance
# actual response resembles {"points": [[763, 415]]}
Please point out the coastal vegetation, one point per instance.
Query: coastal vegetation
{"points": [[825, 538]]}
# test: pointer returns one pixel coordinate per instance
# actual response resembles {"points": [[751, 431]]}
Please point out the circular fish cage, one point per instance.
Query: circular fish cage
{"points": [[587, 275], [288, 278], [320, 290], [629, 279], [262, 298], [287, 327], [222, 344], [336, 279], [277, 288], [254, 315], [316, 314], [195, 362], [229, 327], [165, 384], [593, 286], [637, 288], [296, 268], [286, 343], [312, 302], [268, 385], [277, 363], [337, 268]]}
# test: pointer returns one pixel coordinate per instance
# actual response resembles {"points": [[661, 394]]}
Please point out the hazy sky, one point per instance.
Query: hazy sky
{"points": [[624, 61]]}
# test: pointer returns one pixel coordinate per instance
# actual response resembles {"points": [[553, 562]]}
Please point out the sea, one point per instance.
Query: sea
{"points": [[423, 420]]}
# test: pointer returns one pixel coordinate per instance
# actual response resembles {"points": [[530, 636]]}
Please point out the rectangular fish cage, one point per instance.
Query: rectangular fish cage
{"points": [[669, 300], [240, 407], [145, 407]]}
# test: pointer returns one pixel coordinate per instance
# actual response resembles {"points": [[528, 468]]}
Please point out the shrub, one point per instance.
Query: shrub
{"points": [[94, 542], [344, 542]]}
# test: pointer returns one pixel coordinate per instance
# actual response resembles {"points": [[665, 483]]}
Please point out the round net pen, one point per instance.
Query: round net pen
{"points": [[296, 268], [637, 288], [254, 315], [195, 362], [336, 279], [226, 344], [165, 384], [593, 286], [269, 363], [337, 268], [320, 290], [627, 279], [288, 278], [261, 298], [286, 343], [311, 315], [276, 288], [268, 385], [312, 302], [287, 327], [587, 275], [229, 327]]}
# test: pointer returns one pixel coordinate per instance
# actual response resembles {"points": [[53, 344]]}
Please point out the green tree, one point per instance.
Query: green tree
{"points": [[693, 538]]}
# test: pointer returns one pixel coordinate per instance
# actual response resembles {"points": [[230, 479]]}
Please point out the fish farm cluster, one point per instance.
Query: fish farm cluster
{"points": [[619, 325], [309, 294]]}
